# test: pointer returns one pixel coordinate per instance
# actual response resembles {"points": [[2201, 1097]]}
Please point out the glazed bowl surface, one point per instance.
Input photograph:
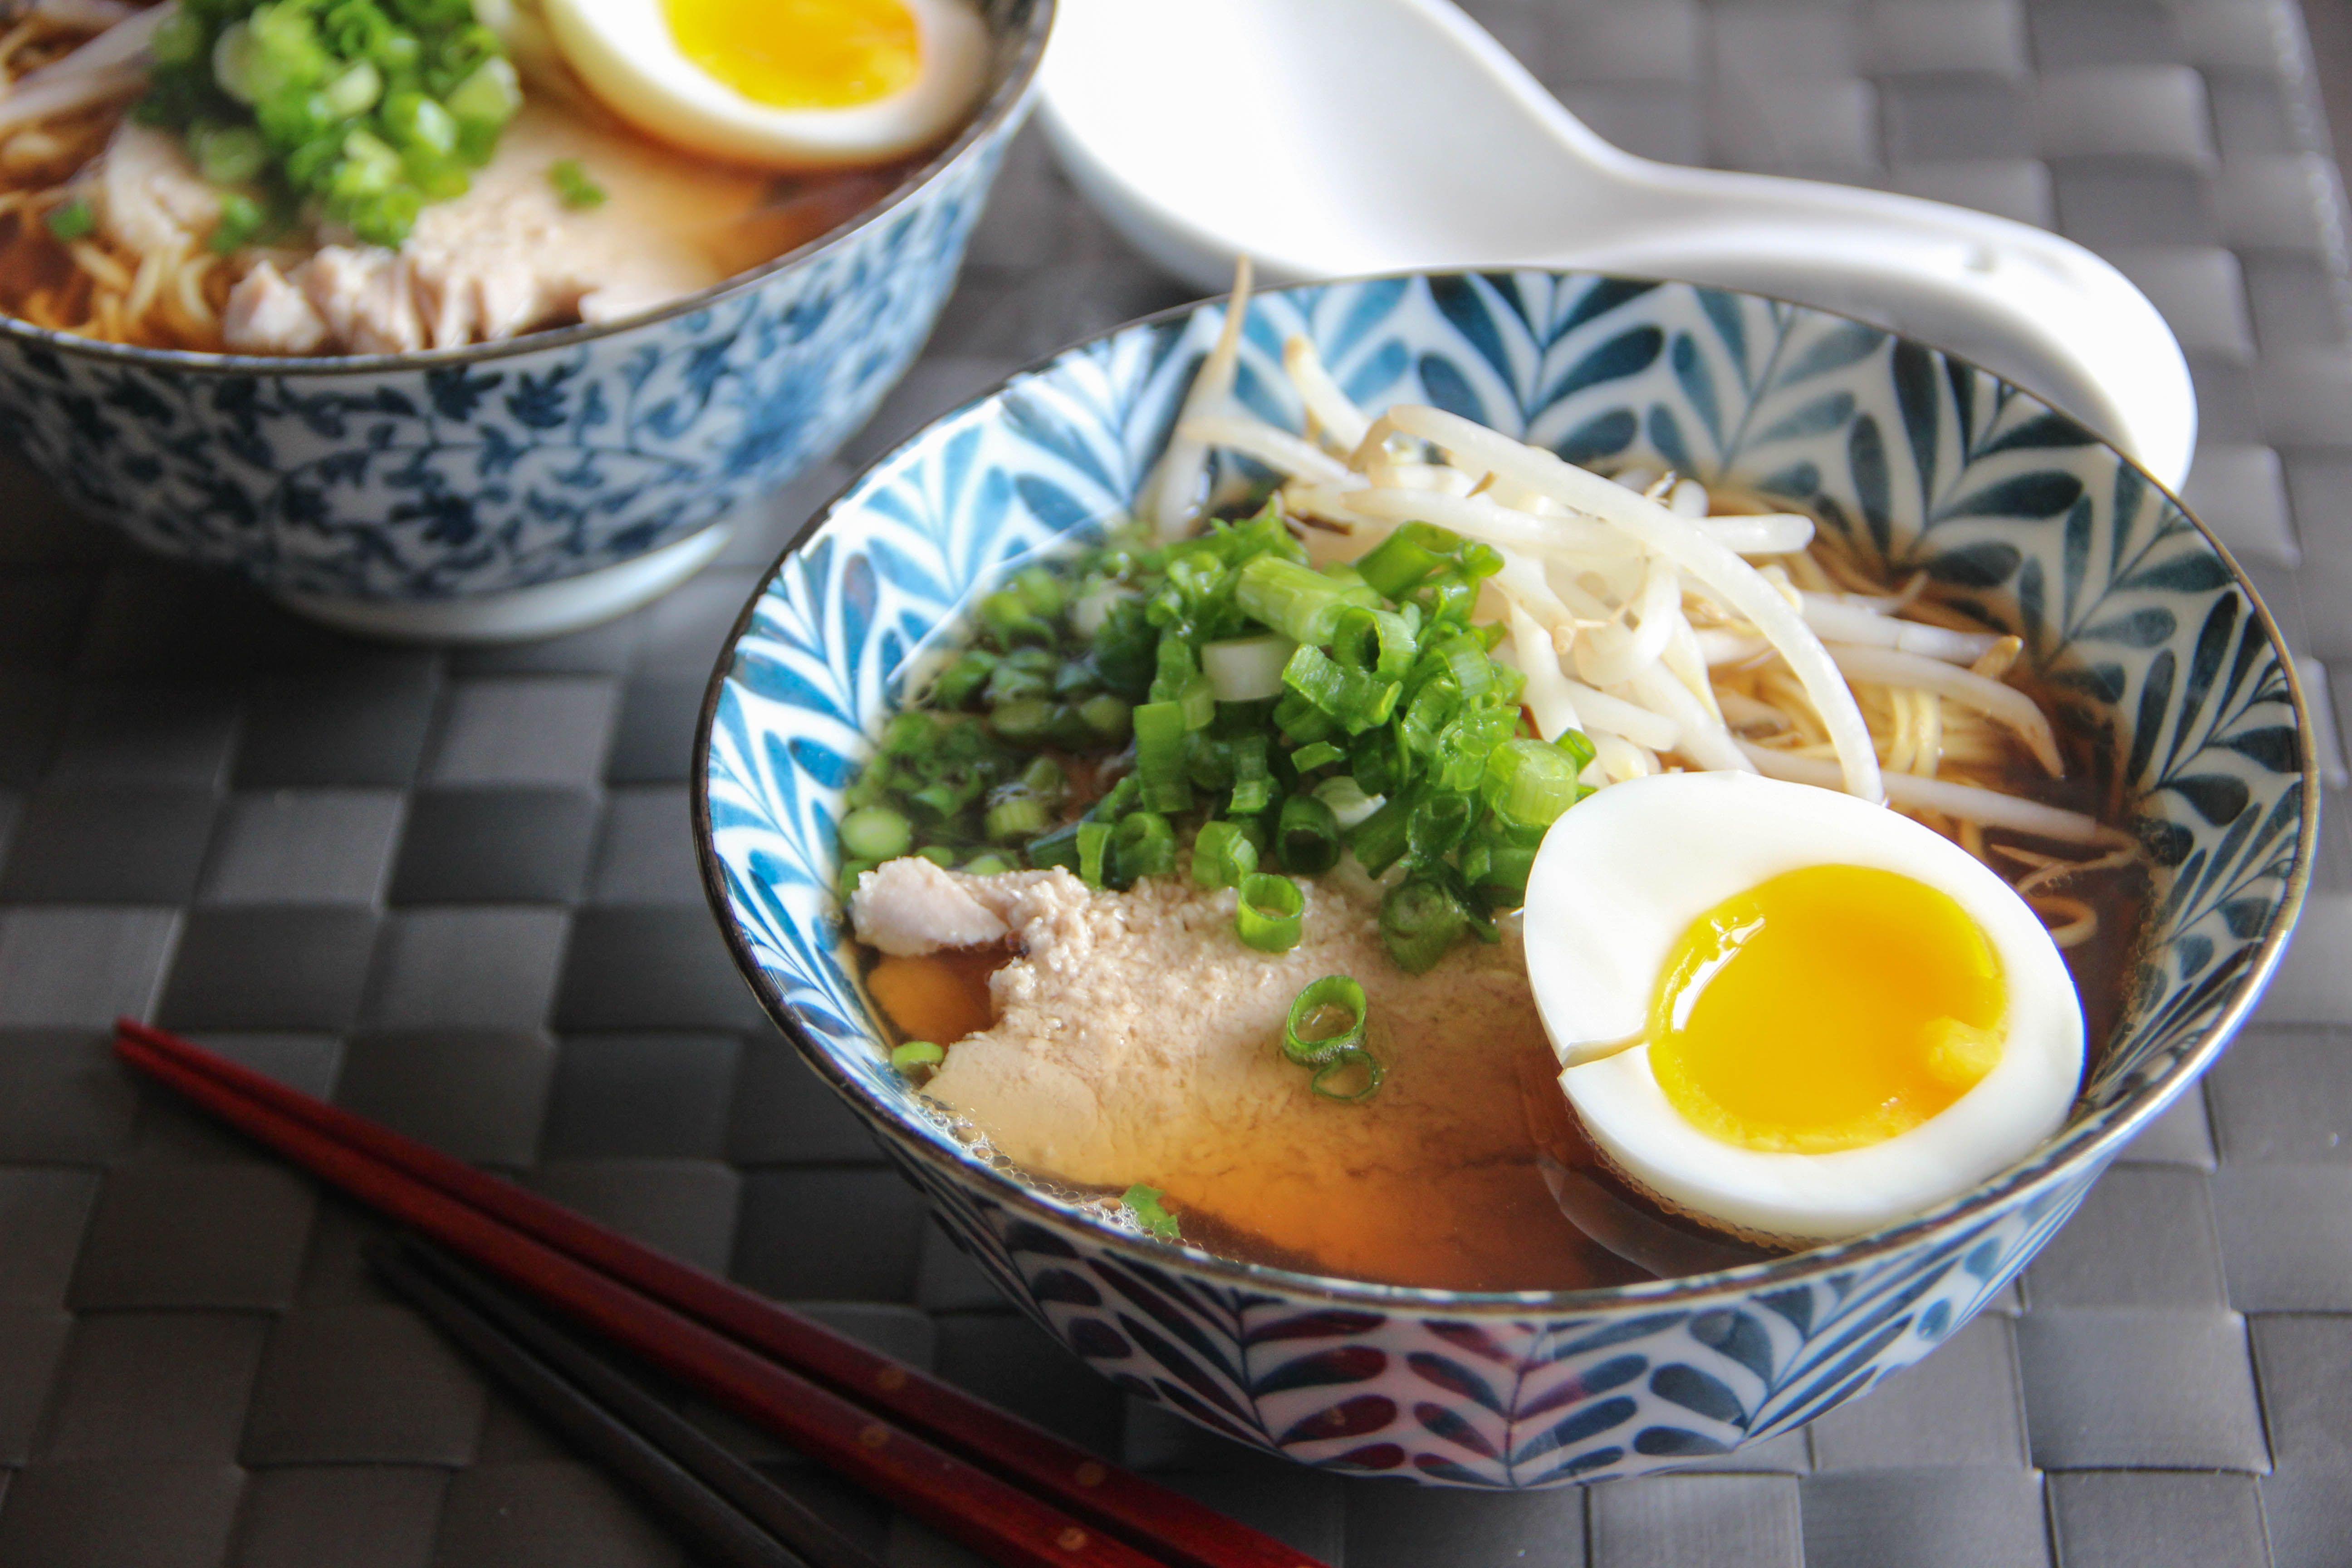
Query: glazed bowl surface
{"points": [[2138, 622], [523, 487]]}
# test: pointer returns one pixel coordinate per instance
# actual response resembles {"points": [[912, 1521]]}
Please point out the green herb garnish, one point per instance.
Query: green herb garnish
{"points": [[917, 1059], [573, 184], [73, 220], [1272, 913], [1325, 1031], [1280, 716], [1145, 1203], [358, 113]]}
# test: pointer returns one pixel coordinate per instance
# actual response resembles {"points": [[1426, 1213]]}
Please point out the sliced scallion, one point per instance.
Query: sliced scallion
{"points": [[1528, 784], [1420, 920], [917, 1059], [1326, 1018], [1253, 784], [1093, 850], [876, 833], [1331, 1075], [1221, 856], [1307, 836], [1142, 845], [1245, 669], [1297, 600], [1272, 914], [1148, 1206]]}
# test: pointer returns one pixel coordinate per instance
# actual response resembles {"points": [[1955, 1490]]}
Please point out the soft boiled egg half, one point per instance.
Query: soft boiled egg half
{"points": [[785, 84], [1791, 1011]]}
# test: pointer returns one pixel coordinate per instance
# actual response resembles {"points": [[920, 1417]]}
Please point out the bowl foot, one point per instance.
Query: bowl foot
{"points": [[523, 615]]}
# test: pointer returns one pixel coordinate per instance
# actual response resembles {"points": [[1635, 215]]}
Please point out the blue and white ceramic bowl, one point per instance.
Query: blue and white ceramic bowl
{"points": [[2144, 628], [522, 488]]}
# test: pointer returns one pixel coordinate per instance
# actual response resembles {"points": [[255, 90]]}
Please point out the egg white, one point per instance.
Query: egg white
{"points": [[624, 51], [1622, 877]]}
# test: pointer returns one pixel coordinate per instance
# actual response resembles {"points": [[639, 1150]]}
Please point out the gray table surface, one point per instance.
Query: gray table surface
{"points": [[456, 892]]}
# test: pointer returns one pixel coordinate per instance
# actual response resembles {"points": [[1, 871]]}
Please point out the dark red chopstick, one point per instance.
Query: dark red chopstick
{"points": [[669, 1311], [959, 1499]]}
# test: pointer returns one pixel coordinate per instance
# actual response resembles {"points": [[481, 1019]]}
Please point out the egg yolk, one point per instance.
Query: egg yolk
{"points": [[801, 54], [1828, 1008]]}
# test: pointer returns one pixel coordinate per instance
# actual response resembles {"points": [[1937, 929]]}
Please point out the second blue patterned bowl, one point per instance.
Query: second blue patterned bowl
{"points": [[2151, 637], [524, 487]]}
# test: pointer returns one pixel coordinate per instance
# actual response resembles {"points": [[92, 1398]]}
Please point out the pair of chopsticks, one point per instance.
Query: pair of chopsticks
{"points": [[993, 1482]]}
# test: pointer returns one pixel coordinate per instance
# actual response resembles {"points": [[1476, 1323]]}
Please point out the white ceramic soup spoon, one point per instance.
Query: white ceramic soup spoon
{"points": [[1328, 138]]}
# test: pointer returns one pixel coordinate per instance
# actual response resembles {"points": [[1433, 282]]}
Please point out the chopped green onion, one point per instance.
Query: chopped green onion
{"points": [[1420, 920], [1009, 618], [1379, 641], [1348, 802], [1500, 871], [1436, 823], [917, 1059], [72, 220], [1272, 914], [353, 92], [1045, 779], [1152, 1212], [229, 155], [1379, 841], [1297, 600], [487, 97], [1459, 761], [575, 189], [1160, 756], [1528, 784], [1356, 699], [1059, 848], [1245, 669], [1353, 1060], [1142, 845], [1124, 797], [1221, 856], [241, 219], [1300, 719], [1466, 660], [987, 866], [939, 855], [1252, 781], [1326, 1018], [1023, 721], [851, 871], [1111, 719], [1407, 558], [959, 682], [1322, 753], [876, 833], [1307, 836], [1015, 818], [1094, 846]]}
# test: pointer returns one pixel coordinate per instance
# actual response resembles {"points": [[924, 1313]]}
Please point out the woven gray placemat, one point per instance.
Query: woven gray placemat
{"points": [[456, 893]]}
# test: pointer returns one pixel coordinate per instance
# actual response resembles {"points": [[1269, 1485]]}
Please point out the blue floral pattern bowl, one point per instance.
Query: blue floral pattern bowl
{"points": [[355, 487], [2133, 615]]}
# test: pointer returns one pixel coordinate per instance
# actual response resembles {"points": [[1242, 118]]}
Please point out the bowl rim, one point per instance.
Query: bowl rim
{"points": [[1007, 103], [2072, 1154]]}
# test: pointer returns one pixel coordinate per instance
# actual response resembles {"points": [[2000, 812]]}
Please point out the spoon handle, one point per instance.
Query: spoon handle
{"points": [[2038, 310]]}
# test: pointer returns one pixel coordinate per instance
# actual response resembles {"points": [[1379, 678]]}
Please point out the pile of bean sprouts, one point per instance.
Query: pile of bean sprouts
{"points": [[1671, 632], [68, 67]]}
